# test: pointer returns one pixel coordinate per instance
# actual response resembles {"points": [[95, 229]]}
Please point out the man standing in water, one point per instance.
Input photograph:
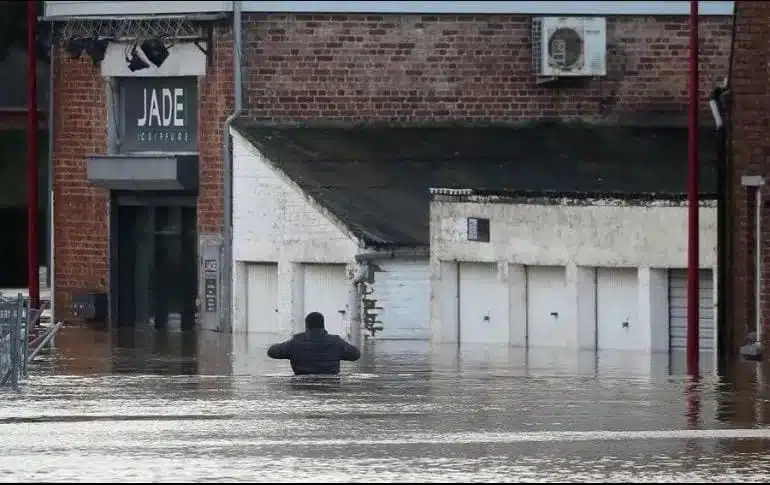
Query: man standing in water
{"points": [[314, 351]]}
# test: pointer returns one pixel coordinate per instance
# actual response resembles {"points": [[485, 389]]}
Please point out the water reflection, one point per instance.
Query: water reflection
{"points": [[170, 406]]}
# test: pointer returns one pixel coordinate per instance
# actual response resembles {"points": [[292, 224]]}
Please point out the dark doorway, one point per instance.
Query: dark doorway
{"points": [[154, 262]]}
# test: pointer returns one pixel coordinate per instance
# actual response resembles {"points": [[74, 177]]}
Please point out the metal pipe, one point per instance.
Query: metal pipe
{"points": [[722, 334], [354, 312], [693, 205], [758, 264], [51, 107], [51, 335], [729, 295], [192, 17], [756, 182], [227, 224], [33, 263], [358, 276], [458, 309]]}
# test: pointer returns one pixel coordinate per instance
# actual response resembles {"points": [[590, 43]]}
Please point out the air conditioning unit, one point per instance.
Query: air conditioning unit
{"points": [[569, 46]]}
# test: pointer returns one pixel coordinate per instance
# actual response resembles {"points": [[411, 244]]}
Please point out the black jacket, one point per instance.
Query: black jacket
{"points": [[314, 351]]}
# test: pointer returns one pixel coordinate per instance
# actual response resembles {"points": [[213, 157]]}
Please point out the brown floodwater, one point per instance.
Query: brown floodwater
{"points": [[172, 406]]}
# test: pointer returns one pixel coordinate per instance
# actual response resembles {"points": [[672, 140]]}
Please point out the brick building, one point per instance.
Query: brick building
{"points": [[747, 142], [407, 63], [91, 119]]}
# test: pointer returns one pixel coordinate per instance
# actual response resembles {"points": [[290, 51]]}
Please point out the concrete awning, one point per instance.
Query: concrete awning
{"points": [[144, 172]]}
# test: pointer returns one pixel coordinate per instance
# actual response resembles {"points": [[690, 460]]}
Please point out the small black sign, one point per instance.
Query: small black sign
{"points": [[210, 266], [210, 294], [478, 229]]}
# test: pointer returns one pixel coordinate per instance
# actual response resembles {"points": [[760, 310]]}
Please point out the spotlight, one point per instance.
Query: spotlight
{"points": [[135, 63], [96, 49], [75, 47], [155, 51]]}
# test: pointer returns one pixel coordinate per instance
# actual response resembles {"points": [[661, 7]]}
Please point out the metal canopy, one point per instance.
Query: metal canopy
{"points": [[144, 172]]}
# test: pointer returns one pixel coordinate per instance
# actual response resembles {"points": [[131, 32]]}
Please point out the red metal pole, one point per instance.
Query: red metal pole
{"points": [[32, 168], [692, 199]]}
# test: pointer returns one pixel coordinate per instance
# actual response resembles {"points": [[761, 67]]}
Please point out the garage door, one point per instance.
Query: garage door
{"points": [[617, 322], [483, 313], [402, 289], [677, 304], [326, 291], [545, 317], [262, 298]]}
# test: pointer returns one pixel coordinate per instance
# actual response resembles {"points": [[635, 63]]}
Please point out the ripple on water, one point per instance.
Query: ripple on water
{"points": [[405, 412]]}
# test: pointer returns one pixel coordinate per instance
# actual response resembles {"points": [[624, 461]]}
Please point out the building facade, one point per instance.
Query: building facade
{"points": [[747, 143], [311, 237], [137, 162], [571, 273], [334, 63], [591, 259]]}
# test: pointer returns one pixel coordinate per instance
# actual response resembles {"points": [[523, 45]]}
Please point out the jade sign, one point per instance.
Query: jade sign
{"points": [[159, 114]]}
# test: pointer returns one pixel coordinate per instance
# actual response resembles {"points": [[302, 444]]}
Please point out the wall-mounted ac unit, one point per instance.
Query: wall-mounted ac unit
{"points": [[569, 46]]}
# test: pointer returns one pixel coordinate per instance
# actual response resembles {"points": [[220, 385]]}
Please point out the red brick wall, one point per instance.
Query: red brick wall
{"points": [[750, 148], [216, 104], [81, 211], [459, 67]]}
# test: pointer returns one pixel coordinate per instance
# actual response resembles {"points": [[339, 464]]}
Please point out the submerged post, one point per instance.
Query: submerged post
{"points": [[693, 336], [33, 275]]}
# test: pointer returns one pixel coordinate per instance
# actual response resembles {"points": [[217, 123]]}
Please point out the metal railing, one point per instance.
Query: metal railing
{"points": [[14, 338], [17, 321]]}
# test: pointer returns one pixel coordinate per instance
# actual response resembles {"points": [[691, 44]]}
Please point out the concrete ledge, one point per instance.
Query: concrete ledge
{"points": [[141, 172]]}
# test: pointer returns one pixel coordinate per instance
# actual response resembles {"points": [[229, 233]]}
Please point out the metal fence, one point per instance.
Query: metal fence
{"points": [[14, 338]]}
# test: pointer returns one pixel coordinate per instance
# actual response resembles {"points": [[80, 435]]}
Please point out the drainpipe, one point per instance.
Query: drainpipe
{"points": [[227, 285], [754, 351], [758, 264], [355, 293], [729, 202], [51, 80], [723, 333]]}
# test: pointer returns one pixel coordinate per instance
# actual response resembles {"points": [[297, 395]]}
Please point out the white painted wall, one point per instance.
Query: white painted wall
{"points": [[184, 59], [274, 222], [560, 234], [648, 239]]}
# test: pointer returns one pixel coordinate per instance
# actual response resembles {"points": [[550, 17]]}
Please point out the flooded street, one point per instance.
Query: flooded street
{"points": [[170, 406]]}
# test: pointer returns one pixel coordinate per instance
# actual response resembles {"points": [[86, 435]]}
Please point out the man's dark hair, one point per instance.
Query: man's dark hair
{"points": [[314, 320]]}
